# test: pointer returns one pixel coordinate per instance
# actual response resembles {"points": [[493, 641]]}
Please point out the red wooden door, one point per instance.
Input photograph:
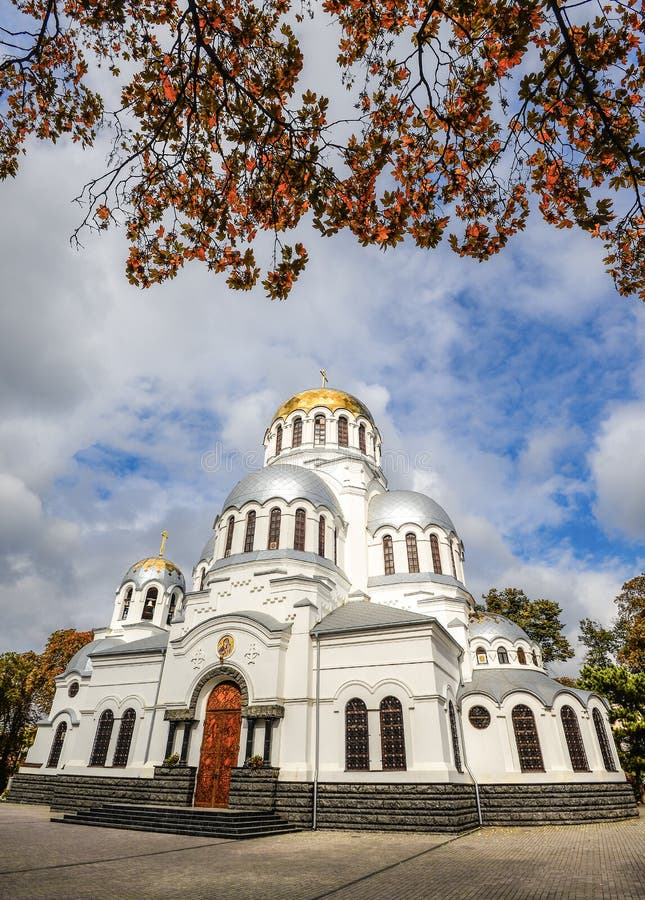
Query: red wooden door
{"points": [[220, 745]]}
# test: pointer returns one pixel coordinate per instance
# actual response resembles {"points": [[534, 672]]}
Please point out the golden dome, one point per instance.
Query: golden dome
{"points": [[326, 397], [155, 562]]}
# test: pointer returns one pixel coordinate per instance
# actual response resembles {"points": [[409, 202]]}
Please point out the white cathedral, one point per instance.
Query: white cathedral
{"points": [[326, 662]]}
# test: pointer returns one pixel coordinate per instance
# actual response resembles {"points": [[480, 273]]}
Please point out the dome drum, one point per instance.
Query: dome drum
{"points": [[338, 430]]}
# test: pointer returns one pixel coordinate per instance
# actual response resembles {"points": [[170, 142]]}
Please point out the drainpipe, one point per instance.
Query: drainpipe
{"points": [[317, 739], [479, 808], [154, 710]]}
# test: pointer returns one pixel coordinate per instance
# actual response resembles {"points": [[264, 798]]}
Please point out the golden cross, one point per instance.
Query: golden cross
{"points": [[164, 538], [323, 372]]}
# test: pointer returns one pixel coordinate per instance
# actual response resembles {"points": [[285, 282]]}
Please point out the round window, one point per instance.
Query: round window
{"points": [[479, 717], [72, 690]]}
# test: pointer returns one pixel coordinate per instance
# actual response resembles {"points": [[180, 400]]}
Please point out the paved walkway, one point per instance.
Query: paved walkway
{"points": [[40, 859]]}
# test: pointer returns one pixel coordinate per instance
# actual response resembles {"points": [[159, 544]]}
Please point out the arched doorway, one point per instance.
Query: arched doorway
{"points": [[220, 745]]}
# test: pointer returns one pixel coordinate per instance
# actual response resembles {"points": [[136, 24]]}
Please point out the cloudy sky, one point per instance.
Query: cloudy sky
{"points": [[512, 391]]}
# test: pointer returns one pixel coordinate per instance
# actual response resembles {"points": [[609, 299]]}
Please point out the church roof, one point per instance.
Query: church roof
{"points": [[209, 548], [152, 644], [326, 397], [491, 625], [155, 568], [284, 482], [397, 508], [499, 683], [359, 615]]}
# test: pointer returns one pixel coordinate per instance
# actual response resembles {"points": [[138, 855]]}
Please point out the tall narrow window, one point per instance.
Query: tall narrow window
{"points": [[388, 555], [413, 553], [436, 556], [278, 439], [57, 746], [102, 738], [320, 430], [452, 561], [296, 440], [300, 530], [249, 535], [534, 658], [502, 656], [124, 739], [521, 656], [127, 600], [171, 609], [149, 604], [357, 746], [455, 737], [573, 737], [392, 736], [202, 579], [335, 546], [230, 525], [321, 535], [274, 528], [362, 446], [526, 738], [603, 740], [343, 434]]}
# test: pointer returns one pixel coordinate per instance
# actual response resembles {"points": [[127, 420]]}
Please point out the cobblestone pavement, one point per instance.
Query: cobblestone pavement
{"points": [[40, 859]]}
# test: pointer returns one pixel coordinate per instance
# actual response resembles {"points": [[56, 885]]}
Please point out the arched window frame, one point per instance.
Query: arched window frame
{"points": [[527, 739], [413, 552], [573, 737], [300, 529], [275, 517], [362, 443], [454, 733], [343, 431], [502, 656], [322, 526], [482, 656], [296, 435], [102, 738], [278, 440], [202, 578], [149, 604], [357, 744], [436, 554], [171, 608], [57, 746], [603, 741], [521, 656], [124, 739], [127, 600], [249, 534], [320, 430], [388, 555], [452, 561], [230, 527], [534, 658], [392, 734]]}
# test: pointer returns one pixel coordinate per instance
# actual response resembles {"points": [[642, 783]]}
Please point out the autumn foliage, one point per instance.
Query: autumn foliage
{"points": [[466, 114]]}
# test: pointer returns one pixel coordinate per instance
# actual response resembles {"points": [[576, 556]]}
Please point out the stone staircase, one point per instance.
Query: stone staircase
{"points": [[210, 823], [556, 804]]}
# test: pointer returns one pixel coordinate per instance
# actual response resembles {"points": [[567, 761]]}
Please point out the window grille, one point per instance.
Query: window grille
{"points": [[357, 745], [362, 446], [455, 737], [124, 739], [526, 738], [388, 555], [72, 690], [278, 439], [274, 528], [321, 536], [502, 656], [300, 530], [521, 656], [320, 430], [603, 740], [126, 604], [413, 553], [574, 741], [230, 525], [57, 746], [249, 537], [296, 439], [343, 434], [392, 736], [102, 738], [479, 717], [149, 604], [436, 555]]}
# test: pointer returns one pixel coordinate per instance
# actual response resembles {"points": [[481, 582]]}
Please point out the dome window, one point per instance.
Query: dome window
{"points": [[502, 656], [125, 609], [320, 430], [202, 579], [300, 530], [436, 555], [413, 553], [296, 439], [278, 439], [230, 525], [479, 717], [335, 546], [149, 605], [274, 529], [321, 536], [527, 740], [343, 434], [452, 561], [362, 446], [57, 746], [482, 656], [521, 656], [249, 536], [388, 555]]}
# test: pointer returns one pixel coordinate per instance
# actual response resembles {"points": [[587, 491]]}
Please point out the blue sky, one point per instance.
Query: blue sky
{"points": [[511, 391]]}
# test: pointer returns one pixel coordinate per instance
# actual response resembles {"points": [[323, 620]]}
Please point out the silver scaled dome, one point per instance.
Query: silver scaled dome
{"points": [[155, 568], [397, 508], [282, 482], [491, 625]]}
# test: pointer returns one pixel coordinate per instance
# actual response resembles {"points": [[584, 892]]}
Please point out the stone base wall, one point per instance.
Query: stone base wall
{"points": [[253, 789], [172, 787], [550, 804]]}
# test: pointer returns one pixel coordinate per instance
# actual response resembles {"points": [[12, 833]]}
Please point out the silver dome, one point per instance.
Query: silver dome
{"points": [[491, 625], [397, 508], [155, 568], [283, 482], [209, 548]]}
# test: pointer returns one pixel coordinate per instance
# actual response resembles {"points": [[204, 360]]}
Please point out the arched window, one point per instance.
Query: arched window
{"points": [[320, 430], [124, 739], [296, 439], [534, 658], [436, 556], [455, 737], [452, 561], [502, 656], [413, 555], [202, 578], [321, 536], [249, 536], [603, 740], [102, 738], [127, 600], [274, 528], [573, 737], [521, 656], [362, 446], [526, 738], [300, 530], [357, 745], [230, 525], [150, 603], [482, 656], [57, 746], [278, 439], [388, 555], [343, 435], [335, 546], [171, 609], [392, 736]]}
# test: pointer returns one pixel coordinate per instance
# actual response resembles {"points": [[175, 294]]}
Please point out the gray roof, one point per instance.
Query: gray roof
{"points": [[413, 578], [80, 662], [360, 615], [499, 683], [264, 619], [152, 644], [491, 625], [285, 482], [209, 548], [155, 568], [273, 555], [397, 508]]}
